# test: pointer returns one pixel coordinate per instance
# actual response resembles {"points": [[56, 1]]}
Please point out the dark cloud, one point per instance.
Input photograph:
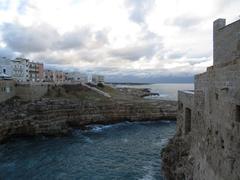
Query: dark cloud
{"points": [[184, 21], [138, 9], [74, 40], [150, 79], [29, 39], [6, 52], [43, 37], [148, 45]]}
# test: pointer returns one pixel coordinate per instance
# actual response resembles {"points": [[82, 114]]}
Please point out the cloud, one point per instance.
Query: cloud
{"points": [[6, 52], [4, 5], [75, 39], [134, 53], [32, 39], [150, 79], [184, 21], [135, 39], [223, 4], [22, 7], [174, 55], [93, 56], [147, 46], [139, 9], [44, 37], [101, 37]]}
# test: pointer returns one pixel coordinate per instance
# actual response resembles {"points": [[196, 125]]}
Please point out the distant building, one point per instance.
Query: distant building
{"points": [[59, 76], [48, 75], [97, 78], [20, 69], [77, 77], [5, 67], [54, 76], [36, 72]]}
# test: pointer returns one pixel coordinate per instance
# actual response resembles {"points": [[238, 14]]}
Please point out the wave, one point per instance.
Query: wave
{"points": [[166, 121], [159, 97], [98, 128], [79, 133], [149, 173]]}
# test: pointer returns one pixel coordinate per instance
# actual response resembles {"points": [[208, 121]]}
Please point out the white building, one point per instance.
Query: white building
{"points": [[97, 78], [5, 66], [20, 69], [77, 77]]}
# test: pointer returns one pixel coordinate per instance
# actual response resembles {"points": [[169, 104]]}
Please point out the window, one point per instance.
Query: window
{"points": [[180, 106], [238, 113], [8, 89], [188, 114], [4, 71], [216, 96]]}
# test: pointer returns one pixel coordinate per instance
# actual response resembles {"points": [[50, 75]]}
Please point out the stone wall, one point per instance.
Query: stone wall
{"points": [[214, 136], [7, 89], [217, 125], [211, 151], [226, 41], [29, 92], [185, 111]]}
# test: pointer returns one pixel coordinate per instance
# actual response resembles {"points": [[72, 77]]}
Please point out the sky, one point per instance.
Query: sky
{"points": [[125, 40]]}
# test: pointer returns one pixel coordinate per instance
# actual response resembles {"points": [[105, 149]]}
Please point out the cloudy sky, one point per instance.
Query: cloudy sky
{"points": [[126, 40]]}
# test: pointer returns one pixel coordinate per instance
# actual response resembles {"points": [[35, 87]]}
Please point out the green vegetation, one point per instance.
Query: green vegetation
{"points": [[74, 91]]}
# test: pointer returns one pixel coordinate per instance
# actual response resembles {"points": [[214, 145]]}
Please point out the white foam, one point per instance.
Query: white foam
{"points": [[99, 128], [165, 121], [150, 174]]}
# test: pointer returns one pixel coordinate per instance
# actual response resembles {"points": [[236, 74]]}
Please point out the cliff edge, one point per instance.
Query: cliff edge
{"points": [[69, 106]]}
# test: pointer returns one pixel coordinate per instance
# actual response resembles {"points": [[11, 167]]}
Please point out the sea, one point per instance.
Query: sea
{"points": [[166, 91], [123, 151]]}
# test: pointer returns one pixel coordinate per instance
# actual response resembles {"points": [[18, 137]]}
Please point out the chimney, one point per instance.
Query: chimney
{"points": [[218, 24]]}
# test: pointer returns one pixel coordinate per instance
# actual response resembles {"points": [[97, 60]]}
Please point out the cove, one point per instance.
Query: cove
{"points": [[129, 150]]}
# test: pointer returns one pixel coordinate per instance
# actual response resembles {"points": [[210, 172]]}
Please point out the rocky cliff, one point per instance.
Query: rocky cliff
{"points": [[70, 106]]}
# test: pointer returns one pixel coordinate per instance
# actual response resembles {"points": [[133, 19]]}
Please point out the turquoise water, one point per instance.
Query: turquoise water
{"points": [[121, 151], [167, 91]]}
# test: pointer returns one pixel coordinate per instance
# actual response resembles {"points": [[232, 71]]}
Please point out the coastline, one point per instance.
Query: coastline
{"points": [[57, 114]]}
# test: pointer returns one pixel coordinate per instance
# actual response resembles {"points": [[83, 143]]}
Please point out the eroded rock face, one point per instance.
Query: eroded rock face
{"points": [[177, 161], [58, 116]]}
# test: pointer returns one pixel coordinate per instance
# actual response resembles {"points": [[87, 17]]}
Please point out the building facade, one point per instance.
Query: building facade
{"points": [[209, 116], [77, 77], [5, 66], [54, 76], [36, 72], [20, 69], [97, 78], [59, 76], [48, 75], [226, 41]]}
